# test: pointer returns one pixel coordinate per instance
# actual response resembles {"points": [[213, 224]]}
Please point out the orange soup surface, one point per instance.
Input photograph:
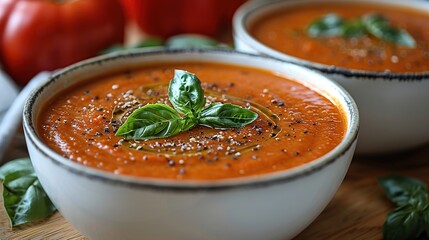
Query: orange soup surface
{"points": [[286, 31], [295, 124]]}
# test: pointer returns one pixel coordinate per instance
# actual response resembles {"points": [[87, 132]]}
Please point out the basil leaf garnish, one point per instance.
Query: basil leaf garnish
{"points": [[218, 115], [188, 123], [153, 121], [401, 189], [185, 93], [410, 220], [23, 196], [354, 29], [379, 27], [329, 25], [187, 97]]}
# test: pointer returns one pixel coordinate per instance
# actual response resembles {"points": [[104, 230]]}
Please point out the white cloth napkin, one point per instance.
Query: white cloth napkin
{"points": [[13, 116], [8, 93]]}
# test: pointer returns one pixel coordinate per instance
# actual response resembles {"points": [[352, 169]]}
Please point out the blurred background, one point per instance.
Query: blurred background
{"points": [[43, 35]]}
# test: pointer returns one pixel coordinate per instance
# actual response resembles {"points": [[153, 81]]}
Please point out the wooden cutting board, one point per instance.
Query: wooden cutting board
{"points": [[357, 211]]}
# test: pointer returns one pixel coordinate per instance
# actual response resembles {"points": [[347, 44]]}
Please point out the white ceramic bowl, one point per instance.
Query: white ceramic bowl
{"points": [[393, 107], [106, 206]]}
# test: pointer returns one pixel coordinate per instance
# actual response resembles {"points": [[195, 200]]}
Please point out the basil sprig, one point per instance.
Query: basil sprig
{"points": [[153, 121], [187, 97], [411, 218], [327, 26], [23, 196], [375, 25], [218, 115], [185, 93], [379, 27]]}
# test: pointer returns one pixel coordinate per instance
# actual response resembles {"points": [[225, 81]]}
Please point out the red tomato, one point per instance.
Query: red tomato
{"points": [[45, 35], [169, 17]]}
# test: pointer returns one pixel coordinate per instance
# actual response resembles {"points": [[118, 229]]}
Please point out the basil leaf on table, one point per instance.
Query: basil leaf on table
{"points": [[218, 115], [403, 223], [191, 41], [178, 41], [149, 42], [185, 93], [378, 26], [401, 189], [426, 219], [23, 196], [410, 219], [153, 121]]}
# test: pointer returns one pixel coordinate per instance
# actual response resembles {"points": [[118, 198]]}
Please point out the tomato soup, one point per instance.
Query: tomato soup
{"points": [[286, 31], [295, 124]]}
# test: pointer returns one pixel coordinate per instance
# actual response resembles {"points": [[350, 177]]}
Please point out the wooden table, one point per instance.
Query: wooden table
{"points": [[357, 211]]}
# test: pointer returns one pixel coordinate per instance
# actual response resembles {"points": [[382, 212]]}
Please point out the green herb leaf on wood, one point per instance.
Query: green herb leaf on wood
{"points": [[403, 223], [148, 42], [401, 189], [153, 121], [192, 41], [426, 219], [410, 219], [23, 196], [218, 115]]}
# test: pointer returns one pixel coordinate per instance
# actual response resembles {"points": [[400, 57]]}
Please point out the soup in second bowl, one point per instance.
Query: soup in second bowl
{"points": [[362, 36]]}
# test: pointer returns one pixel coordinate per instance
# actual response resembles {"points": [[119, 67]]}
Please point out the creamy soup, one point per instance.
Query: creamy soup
{"points": [[286, 31], [295, 124]]}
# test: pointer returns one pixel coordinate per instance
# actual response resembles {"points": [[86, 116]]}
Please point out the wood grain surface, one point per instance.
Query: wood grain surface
{"points": [[357, 211]]}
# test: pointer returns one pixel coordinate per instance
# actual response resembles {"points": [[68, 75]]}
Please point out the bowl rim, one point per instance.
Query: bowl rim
{"points": [[242, 15], [348, 142]]}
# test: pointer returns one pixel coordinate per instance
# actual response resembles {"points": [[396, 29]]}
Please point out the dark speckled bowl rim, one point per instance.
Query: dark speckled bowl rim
{"points": [[182, 186], [249, 8]]}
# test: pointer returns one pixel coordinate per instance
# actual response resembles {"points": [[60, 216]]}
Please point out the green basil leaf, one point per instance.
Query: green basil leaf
{"points": [[191, 41], [354, 29], [222, 116], [187, 97], [327, 26], [150, 42], [185, 93], [188, 122], [426, 219], [23, 196], [153, 121], [403, 223], [379, 27], [20, 167], [401, 190]]}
